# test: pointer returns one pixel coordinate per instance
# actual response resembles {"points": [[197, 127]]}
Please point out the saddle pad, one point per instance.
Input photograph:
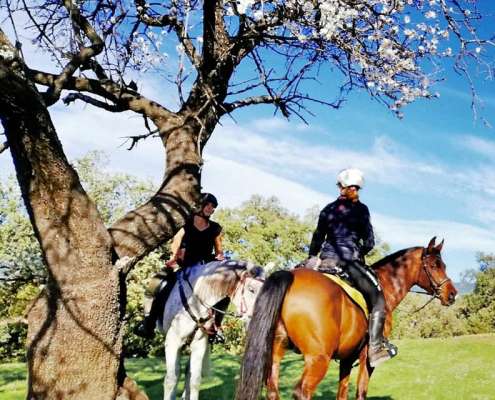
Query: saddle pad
{"points": [[353, 293]]}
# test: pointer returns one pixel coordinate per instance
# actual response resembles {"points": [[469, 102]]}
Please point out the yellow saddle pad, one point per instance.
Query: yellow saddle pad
{"points": [[353, 293]]}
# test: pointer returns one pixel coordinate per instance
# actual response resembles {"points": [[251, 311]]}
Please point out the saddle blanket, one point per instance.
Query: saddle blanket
{"points": [[353, 293]]}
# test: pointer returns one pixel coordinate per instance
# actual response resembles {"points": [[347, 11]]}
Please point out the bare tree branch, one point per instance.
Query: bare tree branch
{"points": [[125, 98], [85, 53]]}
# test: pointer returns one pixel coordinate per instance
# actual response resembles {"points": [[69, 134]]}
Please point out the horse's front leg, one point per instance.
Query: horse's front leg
{"points": [[199, 349], [364, 374], [173, 345]]}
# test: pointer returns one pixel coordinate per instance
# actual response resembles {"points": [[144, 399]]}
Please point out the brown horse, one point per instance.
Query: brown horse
{"points": [[311, 311]]}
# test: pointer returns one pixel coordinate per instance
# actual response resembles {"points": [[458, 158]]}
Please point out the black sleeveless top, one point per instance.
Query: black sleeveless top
{"points": [[199, 245]]}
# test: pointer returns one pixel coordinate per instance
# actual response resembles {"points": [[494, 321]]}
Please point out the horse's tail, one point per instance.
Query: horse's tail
{"points": [[258, 353]]}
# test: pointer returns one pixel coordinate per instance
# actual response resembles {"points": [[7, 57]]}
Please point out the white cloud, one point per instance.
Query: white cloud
{"points": [[384, 163], [400, 232], [235, 183], [478, 145]]}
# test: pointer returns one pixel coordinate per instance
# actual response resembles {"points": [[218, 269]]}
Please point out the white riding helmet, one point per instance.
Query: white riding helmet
{"points": [[350, 177]]}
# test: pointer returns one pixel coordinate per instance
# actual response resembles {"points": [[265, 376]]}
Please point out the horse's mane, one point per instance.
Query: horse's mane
{"points": [[393, 257], [217, 278]]}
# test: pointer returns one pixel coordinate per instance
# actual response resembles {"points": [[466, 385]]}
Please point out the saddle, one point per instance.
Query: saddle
{"points": [[338, 276]]}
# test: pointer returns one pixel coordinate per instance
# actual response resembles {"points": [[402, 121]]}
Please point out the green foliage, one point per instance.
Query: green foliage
{"points": [[263, 232], [433, 321], [20, 254], [134, 345], [22, 271], [479, 308], [12, 340], [113, 193]]}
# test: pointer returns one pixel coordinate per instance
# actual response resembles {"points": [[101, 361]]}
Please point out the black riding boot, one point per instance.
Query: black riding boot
{"points": [[380, 349], [146, 328]]}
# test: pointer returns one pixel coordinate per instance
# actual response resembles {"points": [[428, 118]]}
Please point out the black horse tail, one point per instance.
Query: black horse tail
{"points": [[256, 362]]}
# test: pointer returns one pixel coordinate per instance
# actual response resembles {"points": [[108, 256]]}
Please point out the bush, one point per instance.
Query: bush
{"points": [[433, 321], [13, 341]]}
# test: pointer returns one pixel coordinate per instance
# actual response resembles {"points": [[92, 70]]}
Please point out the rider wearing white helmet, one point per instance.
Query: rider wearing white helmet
{"points": [[343, 237]]}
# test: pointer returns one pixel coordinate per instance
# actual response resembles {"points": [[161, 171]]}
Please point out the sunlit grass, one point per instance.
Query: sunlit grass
{"points": [[460, 368]]}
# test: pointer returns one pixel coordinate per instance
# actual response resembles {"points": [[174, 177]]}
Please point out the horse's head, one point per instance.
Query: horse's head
{"points": [[433, 277], [247, 290]]}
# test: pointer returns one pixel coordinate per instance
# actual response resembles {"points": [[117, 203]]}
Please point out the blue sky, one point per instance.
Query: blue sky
{"points": [[430, 174]]}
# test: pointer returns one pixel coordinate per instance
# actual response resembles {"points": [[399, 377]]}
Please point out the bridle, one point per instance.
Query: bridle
{"points": [[243, 305], [435, 286], [200, 321]]}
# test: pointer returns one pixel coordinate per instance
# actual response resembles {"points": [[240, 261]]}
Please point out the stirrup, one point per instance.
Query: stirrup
{"points": [[379, 353]]}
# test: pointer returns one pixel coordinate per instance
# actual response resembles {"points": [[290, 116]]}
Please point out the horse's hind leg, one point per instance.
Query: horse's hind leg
{"points": [[280, 342], [344, 377], [364, 374], [315, 368]]}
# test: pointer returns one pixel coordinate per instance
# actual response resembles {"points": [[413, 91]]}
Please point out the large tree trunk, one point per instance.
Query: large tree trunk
{"points": [[76, 325], [75, 328]]}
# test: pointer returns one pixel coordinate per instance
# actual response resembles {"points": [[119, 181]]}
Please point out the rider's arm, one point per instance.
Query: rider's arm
{"points": [[218, 247], [177, 253], [319, 234], [368, 236]]}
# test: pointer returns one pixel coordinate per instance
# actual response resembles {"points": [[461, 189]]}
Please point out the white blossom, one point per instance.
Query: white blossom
{"points": [[430, 14]]}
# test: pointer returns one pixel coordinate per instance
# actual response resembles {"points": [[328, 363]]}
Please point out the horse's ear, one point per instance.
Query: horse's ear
{"points": [[439, 246], [254, 271], [430, 246], [244, 275]]}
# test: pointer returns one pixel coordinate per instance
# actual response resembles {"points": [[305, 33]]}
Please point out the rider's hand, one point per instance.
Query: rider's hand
{"points": [[219, 257], [172, 263], [312, 262]]}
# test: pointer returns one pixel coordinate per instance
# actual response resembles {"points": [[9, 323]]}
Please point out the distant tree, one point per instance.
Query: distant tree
{"points": [[262, 231], [479, 308], [467, 281]]}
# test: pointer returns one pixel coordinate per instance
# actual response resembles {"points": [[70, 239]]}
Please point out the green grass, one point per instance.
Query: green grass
{"points": [[460, 368]]}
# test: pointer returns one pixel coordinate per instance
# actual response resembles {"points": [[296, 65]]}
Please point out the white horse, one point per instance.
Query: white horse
{"points": [[189, 306]]}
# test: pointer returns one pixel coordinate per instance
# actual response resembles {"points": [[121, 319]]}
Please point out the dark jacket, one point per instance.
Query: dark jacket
{"points": [[344, 230]]}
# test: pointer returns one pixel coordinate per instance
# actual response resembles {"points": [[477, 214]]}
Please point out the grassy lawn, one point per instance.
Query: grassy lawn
{"points": [[460, 368]]}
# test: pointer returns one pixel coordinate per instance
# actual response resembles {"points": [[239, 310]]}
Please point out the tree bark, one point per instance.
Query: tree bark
{"points": [[75, 328]]}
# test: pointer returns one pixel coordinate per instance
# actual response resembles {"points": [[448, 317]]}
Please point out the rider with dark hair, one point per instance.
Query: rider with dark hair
{"points": [[198, 242], [343, 237]]}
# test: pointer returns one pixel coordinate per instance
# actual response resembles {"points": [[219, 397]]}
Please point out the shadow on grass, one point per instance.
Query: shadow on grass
{"points": [[7, 377]]}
